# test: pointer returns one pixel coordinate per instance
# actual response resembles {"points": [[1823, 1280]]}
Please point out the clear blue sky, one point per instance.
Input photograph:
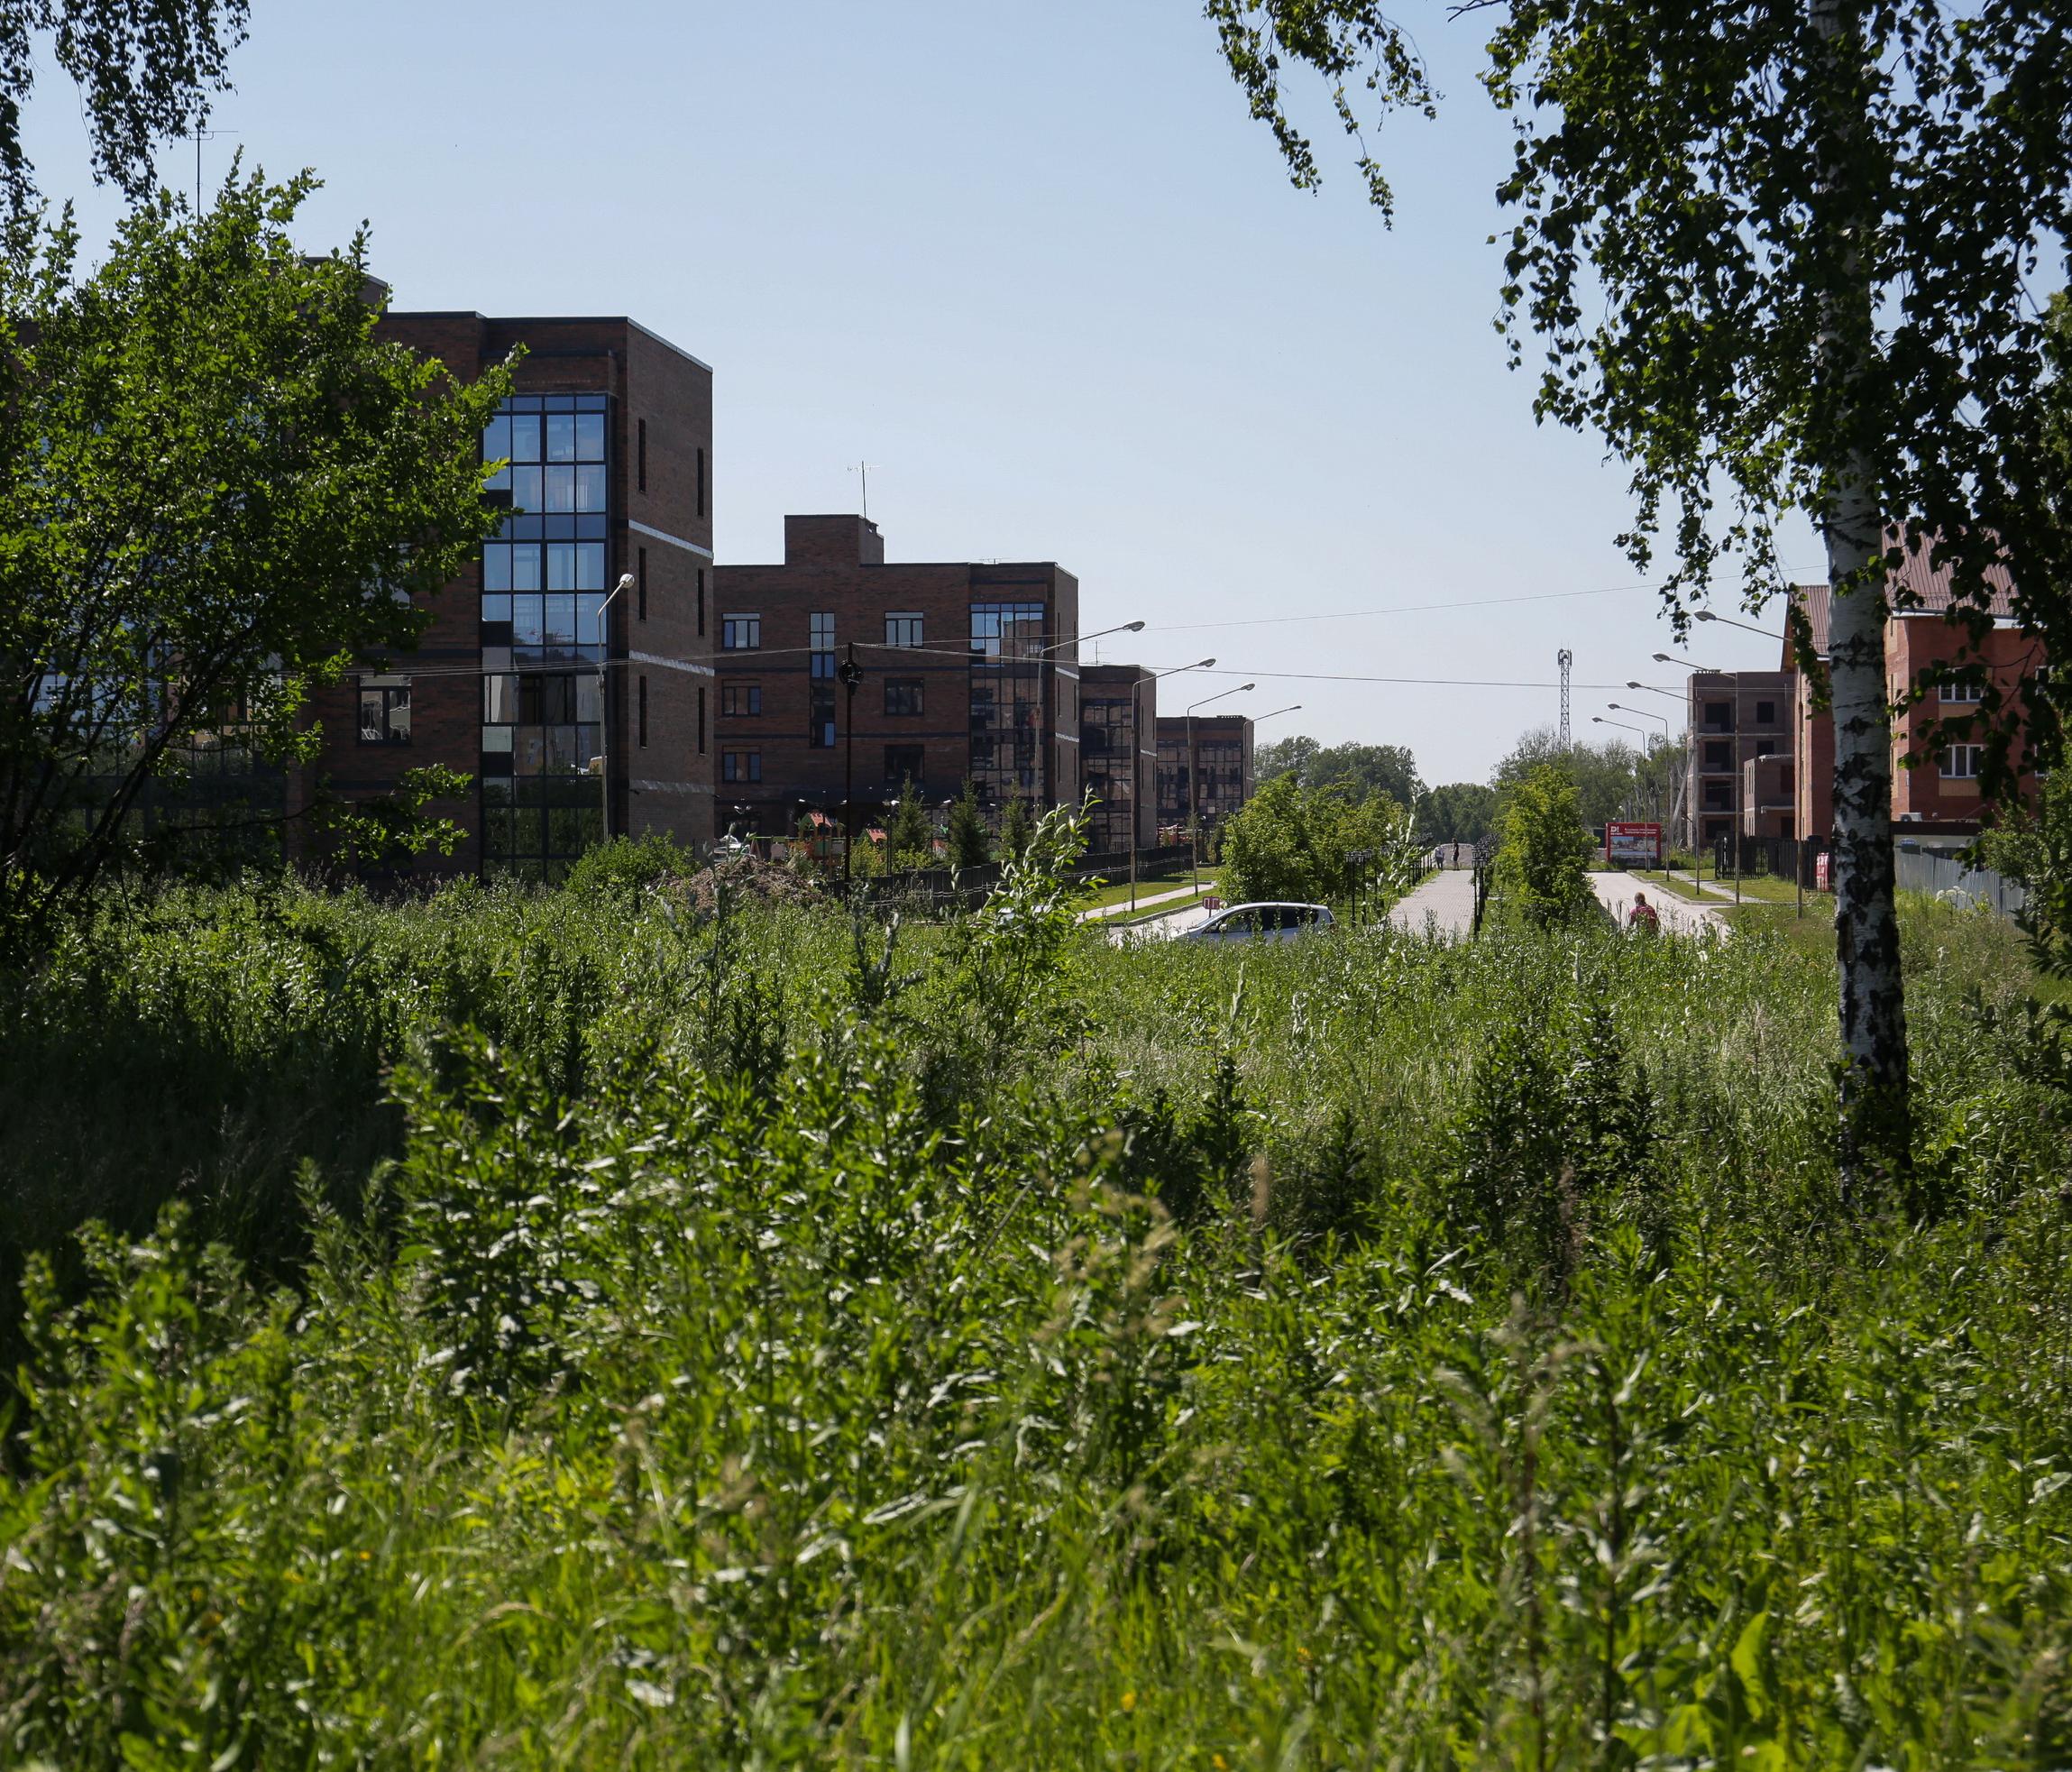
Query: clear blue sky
{"points": [[1037, 266]]}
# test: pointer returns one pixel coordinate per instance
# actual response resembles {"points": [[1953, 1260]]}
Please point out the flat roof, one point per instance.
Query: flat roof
{"points": [[548, 320]]}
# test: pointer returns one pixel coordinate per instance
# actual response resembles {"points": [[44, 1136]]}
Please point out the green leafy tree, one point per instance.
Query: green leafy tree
{"points": [[219, 490], [1604, 775], [143, 68], [1357, 769], [1293, 842], [909, 840], [1782, 258], [1457, 812], [1282, 757], [1541, 865], [970, 842], [1015, 830]]}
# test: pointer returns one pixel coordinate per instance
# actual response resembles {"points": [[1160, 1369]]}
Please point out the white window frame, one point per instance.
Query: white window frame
{"points": [[1951, 756]]}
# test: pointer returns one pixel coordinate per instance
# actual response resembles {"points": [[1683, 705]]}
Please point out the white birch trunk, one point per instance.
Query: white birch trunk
{"points": [[1875, 1134]]}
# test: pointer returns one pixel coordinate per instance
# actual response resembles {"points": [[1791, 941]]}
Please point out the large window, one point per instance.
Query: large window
{"points": [[1006, 700], [902, 695], [741, 765], [820, 670], [552, 446], [740, 633], [741, 700], [903, 763], [1959, 763], [1109, 769], [544, 576], [384, 711], [902, 628], [1961, 692]]}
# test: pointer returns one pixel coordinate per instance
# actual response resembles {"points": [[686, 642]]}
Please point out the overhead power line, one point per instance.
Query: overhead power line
{"points": [[1396, 608]]}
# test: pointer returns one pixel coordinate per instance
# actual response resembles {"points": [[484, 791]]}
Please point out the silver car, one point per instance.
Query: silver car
{"points": [[1260, 922]]}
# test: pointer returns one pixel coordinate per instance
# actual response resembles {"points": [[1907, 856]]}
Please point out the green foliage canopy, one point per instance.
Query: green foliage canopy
{"points": [[217, 489], [1541, 864], [1457, 812], [1293, 842], [1356, 769], [143, 67]]}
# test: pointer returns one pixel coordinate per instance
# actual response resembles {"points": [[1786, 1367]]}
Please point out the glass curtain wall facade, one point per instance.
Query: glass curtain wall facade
{"points": [[1105, 742], [543, 635], [1007, 700]]}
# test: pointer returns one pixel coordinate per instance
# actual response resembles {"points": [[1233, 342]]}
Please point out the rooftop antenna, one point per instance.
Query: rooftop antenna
{"points": [[201, 135], [1565, 659], [862, 471]]}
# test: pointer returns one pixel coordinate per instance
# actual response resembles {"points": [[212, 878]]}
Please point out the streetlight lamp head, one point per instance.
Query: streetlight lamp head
{"points": [[1244, 686], [626, 581], [1132, 626], [1704, 615], [1205, 664], [1664, 658]]}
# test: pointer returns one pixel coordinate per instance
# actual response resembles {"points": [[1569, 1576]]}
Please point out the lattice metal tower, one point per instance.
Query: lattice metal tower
{"points": [[1567, 658]]}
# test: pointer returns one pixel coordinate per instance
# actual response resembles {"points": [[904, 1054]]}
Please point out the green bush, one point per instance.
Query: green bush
{"points": [[756, 1338], [1541, 866]]}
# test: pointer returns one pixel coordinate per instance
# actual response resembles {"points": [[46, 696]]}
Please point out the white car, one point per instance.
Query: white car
{"points": [[1260, 922]]}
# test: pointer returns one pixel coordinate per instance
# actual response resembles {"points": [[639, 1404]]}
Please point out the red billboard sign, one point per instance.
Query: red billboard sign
{"points": [[1629, 843]]}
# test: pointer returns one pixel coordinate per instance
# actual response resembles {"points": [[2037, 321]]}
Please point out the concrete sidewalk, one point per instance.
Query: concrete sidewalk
{"points": [[1679, 916], [1444, 904], [1144, 900]]}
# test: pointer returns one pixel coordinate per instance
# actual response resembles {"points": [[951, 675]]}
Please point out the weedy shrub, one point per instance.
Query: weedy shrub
{"points": [[1357, 1352]]}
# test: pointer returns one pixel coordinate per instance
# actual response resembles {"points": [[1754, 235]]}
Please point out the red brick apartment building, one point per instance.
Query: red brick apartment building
{"points": [[523, 679], [1119, 754], [1211, 780], [1738, 721], [968, 670], [1939, 789]]}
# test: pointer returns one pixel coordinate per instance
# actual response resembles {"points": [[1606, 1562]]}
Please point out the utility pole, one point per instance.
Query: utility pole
{"points": [[851, 676]]}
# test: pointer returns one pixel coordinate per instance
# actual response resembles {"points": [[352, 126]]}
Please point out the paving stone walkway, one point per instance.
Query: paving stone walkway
{"points": [[1443, 903]]}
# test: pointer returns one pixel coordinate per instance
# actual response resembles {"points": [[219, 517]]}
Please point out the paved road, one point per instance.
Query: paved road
{"points": [[1443, 903], [1679, 916]]}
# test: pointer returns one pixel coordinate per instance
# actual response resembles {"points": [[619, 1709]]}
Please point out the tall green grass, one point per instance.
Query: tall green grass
{"points": [[587, 1332]]}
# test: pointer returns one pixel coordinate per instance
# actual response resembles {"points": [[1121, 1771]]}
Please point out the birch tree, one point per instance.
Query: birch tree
{"points": [[1782, 258], [143, 70]]}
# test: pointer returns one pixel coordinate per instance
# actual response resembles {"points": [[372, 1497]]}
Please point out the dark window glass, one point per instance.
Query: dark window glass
{"points": [[902, 695], [741, 765], [640, 453], [820, 717], [643, 711], [640, 576], [740, 701], [1765, 714], [903, 763], [384, 711], [701, 720], [740, 633], [903, 628], [700, 601], [700, 480]]}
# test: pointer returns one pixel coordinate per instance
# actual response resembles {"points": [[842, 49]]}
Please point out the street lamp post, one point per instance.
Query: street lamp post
{"points": [[1194, 782], [1137, 750], [1728, 621], [604, 694], [1098, 633]]}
